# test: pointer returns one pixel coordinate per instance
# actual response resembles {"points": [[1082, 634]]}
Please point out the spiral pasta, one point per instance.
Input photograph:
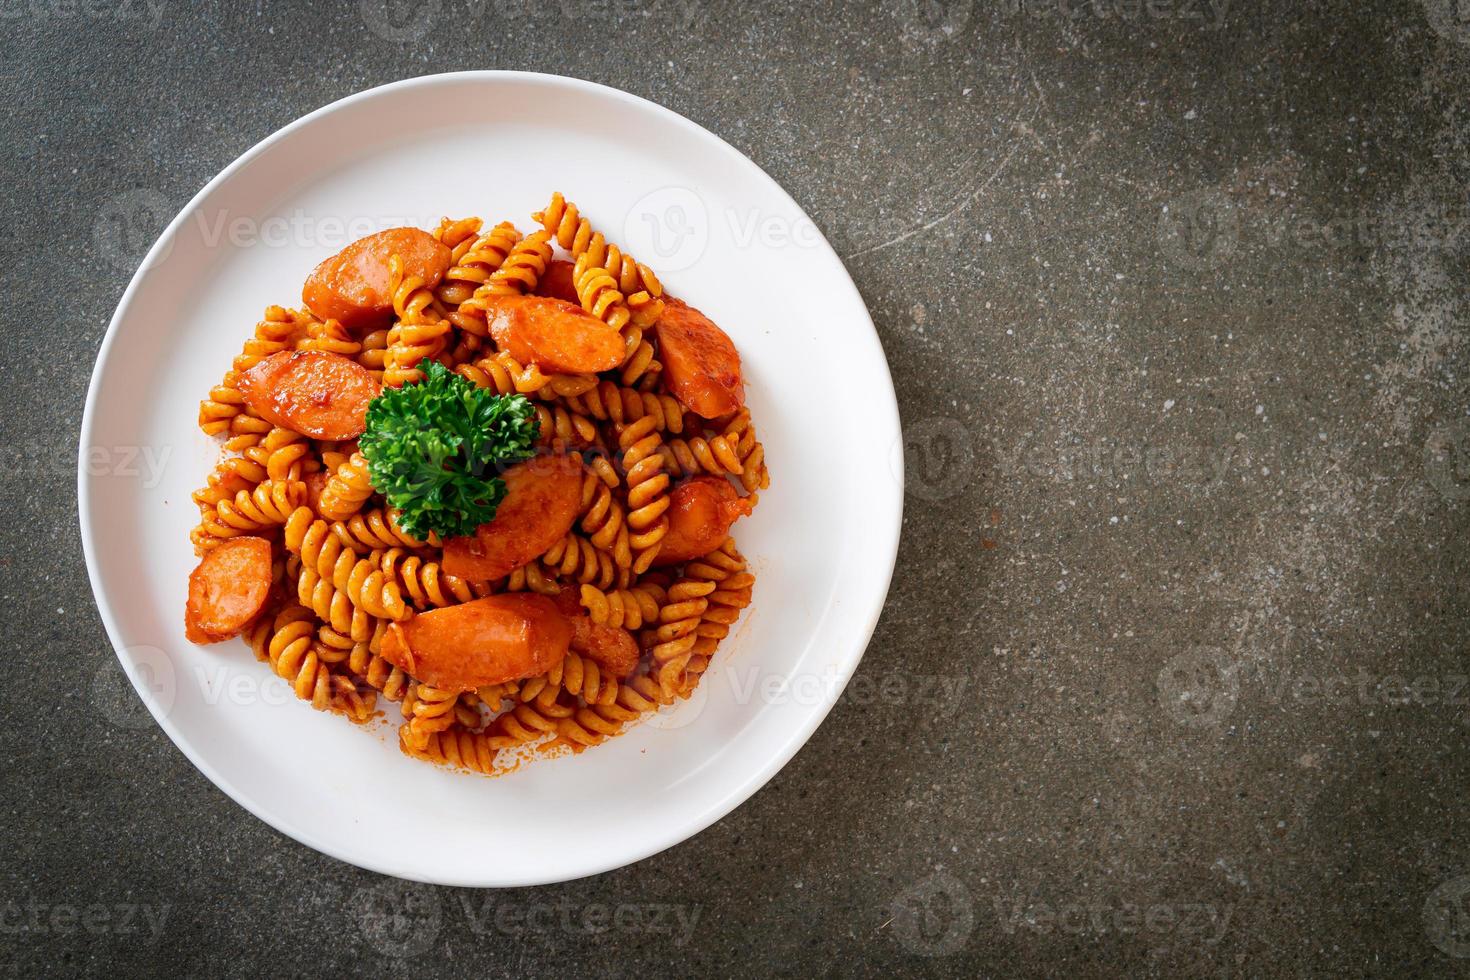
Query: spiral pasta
{"points": [[627, 607], [648, 486], [531, 578], [331, 337], [425, 583], [420, 331], [218, 410], [330, 571], [345, 572], [227, 478], [576, 558], [270, 503], [458, 234], [433, 712], [610, 402], [672, 641], [346, 490], [277, 330], [507, 376], [727, 569], [362, 660], [609, 284], [373, 354], [375, 529], [278, 454], [639, 367], [527, 723], [224, 485], [474, 751], [558, 424], [575, 676], [472, 270], [287, 642], [523, 267], [602, 519], [598, 293], [637, 282], [735, 451], [592, 724]]}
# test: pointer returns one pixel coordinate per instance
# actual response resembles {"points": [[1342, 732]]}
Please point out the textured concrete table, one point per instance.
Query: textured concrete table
{"points": [[1172, 676]]}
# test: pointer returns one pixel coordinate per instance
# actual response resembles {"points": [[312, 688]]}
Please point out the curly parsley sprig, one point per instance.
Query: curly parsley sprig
{"points": [[434, 449]]}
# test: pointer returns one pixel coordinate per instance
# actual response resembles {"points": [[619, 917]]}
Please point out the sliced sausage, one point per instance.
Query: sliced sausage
{"points": [[557, 336], [487, 641], [228, 589], [353, 286], [701, 512], [315, 393], [701, 364], [542, 498]]}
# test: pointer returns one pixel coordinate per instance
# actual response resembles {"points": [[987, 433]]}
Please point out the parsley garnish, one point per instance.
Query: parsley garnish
{"points": [[434, 448]]}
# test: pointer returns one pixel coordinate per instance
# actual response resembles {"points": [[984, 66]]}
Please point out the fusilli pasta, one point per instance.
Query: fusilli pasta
{"points": [[346, 490], [348, 583]]}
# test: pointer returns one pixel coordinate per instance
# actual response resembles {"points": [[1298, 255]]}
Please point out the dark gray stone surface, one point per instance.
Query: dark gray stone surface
{"points": [[1172, 674]]}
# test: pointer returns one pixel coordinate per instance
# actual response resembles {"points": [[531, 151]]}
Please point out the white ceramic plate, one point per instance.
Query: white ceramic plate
{"points": [[722, 235]]}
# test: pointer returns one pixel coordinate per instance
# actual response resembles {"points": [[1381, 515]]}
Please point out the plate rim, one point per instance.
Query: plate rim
{"points": [[886, 529]]}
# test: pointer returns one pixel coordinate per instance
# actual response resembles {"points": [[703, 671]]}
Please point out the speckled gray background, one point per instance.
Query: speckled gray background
{"points": [[1172, 674]]}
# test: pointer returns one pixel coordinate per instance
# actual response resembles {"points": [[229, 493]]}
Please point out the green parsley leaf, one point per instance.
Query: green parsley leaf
{"points": [[435, 448]]}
